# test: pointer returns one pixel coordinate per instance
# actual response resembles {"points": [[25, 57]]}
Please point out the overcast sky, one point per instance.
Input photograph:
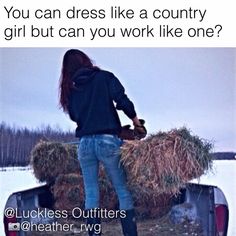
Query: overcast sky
{"points": [[170, 87]]}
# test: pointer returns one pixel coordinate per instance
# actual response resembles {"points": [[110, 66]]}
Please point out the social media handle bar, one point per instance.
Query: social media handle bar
{"points": [[32, 227], [35, 213]]}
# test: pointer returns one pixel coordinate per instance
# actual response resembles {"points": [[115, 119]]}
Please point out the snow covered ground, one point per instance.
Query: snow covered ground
{"points": [[15, 179]]}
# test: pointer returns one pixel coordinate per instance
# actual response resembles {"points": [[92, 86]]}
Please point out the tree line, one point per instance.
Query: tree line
{"points": [[16, 143]]}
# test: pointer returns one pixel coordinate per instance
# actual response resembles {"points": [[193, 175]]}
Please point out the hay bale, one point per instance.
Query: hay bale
{"points": [[50, 159], [156, 169], [68, 192], [164, 162], [72, 150], [73, 165]]}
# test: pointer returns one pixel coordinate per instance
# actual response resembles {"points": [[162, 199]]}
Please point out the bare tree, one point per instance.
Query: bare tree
{"points": [[17, 143]]}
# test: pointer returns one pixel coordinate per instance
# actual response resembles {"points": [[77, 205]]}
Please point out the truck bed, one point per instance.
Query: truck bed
{"points": [[203, 200]]}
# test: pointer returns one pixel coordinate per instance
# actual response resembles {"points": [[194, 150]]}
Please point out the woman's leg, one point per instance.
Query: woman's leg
{"points": [[108, 152], [108, 149], [89, 167]]}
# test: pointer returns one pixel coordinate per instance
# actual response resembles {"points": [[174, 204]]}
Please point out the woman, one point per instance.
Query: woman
{"points": [[87, 94]]}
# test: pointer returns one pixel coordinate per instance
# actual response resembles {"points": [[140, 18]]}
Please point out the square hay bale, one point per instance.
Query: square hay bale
{"points": [[165, 162], [156, 169], [50, 159], [68, 192]]}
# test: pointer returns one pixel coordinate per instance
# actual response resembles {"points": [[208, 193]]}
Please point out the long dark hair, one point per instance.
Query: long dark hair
{"points": [[73, 60]]}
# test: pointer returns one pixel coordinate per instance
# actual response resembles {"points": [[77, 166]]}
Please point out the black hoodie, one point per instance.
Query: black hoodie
{"points": [[91, 102]]}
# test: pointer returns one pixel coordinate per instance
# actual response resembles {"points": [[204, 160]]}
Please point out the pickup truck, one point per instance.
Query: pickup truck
{"points": [[209, 203]]}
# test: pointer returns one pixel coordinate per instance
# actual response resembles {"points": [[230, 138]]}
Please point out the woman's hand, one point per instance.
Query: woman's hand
{"points": [[140, 130]]}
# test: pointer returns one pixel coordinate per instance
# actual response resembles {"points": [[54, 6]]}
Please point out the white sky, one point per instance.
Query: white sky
{"points": [[170, 87]]}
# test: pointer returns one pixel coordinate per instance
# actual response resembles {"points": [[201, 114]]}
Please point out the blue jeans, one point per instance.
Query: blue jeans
{"points": [[104, 148]]}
